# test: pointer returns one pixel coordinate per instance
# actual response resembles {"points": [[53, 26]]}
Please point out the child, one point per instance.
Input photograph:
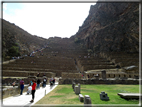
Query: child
{"points": [[29, 89]]}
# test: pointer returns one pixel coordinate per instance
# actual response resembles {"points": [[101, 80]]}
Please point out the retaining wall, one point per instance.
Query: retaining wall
{"points": [[95, 81]]}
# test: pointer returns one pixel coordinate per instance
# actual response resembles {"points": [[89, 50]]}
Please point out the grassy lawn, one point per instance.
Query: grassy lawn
{"points": [[64, 94]]}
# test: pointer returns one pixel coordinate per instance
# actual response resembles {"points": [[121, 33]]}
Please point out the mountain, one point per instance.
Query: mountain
{"points": [[18, 42], [111, 27]]}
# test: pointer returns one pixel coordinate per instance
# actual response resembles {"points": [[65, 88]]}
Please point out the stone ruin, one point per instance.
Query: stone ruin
{"points": [[87, 101], [81, 98], [103, 96], [76, 88], [104, 74]]}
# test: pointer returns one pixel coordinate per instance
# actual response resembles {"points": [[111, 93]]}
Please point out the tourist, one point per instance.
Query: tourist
{"points": [[44, 82], [88, 76], [38, 74], [13, 84], [54, 81], [38, 83], [31, 82], [44, 75], [33, 90], [29, 89], [21, 86]]}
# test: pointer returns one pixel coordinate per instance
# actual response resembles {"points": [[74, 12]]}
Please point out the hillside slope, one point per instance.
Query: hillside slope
{"points": [[111, 27], [16, 41]]}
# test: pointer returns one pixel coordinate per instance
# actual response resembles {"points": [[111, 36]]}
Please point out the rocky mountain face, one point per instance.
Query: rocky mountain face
{"points": [[17, 42], [111, 27]]}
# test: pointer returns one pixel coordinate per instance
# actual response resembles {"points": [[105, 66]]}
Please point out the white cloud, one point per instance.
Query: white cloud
{"points": [[5, 6], [50, 19]]}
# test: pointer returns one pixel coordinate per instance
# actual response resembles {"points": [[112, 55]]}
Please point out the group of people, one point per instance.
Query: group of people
{"points": [[31, 89], [33, 85], [52, 81]]}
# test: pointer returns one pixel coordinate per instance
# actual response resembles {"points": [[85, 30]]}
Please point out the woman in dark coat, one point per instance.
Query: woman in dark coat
{"points": [[21, 86]]}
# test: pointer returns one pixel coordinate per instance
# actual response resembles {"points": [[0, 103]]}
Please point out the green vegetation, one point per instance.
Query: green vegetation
{"points": [[77, 40], [90, 51], [14, 51], [64, 94]]}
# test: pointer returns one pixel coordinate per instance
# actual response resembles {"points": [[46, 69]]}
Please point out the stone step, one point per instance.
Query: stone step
{"points": [[37, 69], [124, 64], [96, 63], [125, 60], [43, 67], [23, 67], [13, 73], [41, 64], [98, 67], [93, 60]]}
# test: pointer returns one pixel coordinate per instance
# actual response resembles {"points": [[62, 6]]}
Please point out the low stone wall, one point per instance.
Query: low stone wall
{"points": [[7, 62], [9, 81], [12, 91], [71, 75], [113, 75], [95, 81], [13, 73]]}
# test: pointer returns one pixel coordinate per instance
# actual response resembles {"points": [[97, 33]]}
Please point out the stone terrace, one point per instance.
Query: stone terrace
{"points": [[59, 57]]}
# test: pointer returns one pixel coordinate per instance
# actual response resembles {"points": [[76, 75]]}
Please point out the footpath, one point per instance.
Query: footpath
{"points": [[24, 100]]}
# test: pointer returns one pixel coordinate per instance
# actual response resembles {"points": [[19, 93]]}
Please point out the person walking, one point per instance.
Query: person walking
{"points": [[21, 86], [44, 82], [33, 90], [38, 83], [54, 81]]}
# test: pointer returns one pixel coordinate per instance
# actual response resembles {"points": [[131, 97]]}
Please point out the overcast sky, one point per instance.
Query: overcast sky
{"points": [[47, 19]]}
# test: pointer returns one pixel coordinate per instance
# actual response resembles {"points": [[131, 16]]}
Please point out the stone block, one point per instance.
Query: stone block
{"points": [[104, 74], [103, 96], [87, 99], [79, 87], [81, 98], [77, 90], [74, 86]]}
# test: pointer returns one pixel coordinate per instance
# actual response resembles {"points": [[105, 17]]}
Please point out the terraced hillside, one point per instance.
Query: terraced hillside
{"points": [[107, 41], [66, 59]]}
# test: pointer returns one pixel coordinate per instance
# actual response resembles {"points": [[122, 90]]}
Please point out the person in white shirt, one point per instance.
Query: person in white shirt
{"points": [[29, 89]]}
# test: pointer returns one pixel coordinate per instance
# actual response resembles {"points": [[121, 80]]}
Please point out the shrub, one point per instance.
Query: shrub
{"points": [[76, 40], [14, 51], [90, 51]]}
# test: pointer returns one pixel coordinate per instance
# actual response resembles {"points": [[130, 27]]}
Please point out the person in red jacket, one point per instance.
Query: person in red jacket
{"points": [[33, 90]]}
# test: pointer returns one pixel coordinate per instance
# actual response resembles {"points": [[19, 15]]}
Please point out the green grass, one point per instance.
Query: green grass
{"points": [[94, 92], [64, 94]]}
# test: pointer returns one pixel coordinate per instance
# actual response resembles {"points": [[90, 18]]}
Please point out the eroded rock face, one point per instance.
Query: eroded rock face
{"points": [[111, 27]]}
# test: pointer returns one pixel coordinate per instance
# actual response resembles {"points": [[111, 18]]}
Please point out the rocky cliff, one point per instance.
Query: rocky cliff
{"points": [[17, 42], [111, 27]]}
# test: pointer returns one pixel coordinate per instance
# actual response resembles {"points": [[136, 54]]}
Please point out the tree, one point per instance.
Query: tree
{"points": [[14, 51]]}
